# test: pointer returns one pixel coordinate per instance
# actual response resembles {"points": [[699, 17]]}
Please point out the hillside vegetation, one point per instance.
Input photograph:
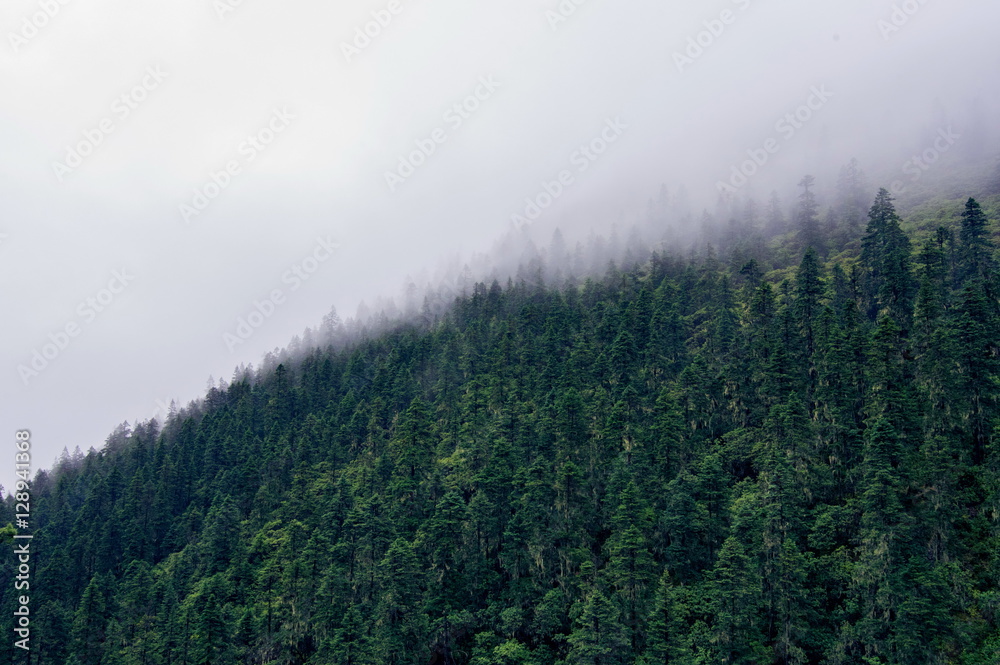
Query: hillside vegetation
{"points": [[783, 449]]}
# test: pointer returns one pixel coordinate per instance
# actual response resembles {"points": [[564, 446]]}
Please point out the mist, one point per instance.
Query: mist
{"points": [[172, 169]]}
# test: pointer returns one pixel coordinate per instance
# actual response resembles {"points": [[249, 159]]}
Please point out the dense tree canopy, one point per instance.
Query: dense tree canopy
{"points": [[710, 459]]}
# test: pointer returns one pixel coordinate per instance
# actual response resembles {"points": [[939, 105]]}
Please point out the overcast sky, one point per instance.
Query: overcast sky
{"points": [[177, 162]]}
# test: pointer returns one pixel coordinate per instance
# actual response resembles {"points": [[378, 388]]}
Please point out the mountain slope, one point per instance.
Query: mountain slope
{"points": [[697, 460]]}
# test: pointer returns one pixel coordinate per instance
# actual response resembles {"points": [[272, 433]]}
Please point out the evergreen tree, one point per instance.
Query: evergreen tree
{"points": [[809, 291], [807, 215], [598, 637], [90, 623], [852, 195], [630, 569], [775, 217], [976, 250], [886, 256], [401, 626], [733, 594]]}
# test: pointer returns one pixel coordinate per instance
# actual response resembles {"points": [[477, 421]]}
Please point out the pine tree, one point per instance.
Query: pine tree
{"points": [[879, 588], [852, 193], [783, 490], [598, 637], [775, 217], [90, 623], [445, 540], [807, 216], [400, 625], [664, 625], [809, 291], [350, 644], [210, 638], [885, 253], [733, 596], [976, 250], [977, 334], [630, 569]]}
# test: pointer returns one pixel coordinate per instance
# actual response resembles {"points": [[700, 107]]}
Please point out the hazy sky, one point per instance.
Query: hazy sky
{"points": [[167, 165]]}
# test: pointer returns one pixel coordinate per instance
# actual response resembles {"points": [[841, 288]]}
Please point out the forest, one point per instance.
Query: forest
{"points": [[777, 446]]}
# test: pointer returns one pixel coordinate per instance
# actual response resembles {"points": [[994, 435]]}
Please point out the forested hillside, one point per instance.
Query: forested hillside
{"points": [[780, 449]]}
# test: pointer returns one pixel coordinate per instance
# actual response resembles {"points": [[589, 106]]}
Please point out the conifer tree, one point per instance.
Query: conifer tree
{"points": [[885, 253], [598, 637], [807, 215], [90, 623], [976, 250], [852, 193], [401, 625]]}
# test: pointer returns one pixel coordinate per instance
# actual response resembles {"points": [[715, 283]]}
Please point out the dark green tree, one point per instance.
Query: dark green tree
{"points": [[598, 637], [975, 250], [885, 254], [807, 216], [401, 627]]}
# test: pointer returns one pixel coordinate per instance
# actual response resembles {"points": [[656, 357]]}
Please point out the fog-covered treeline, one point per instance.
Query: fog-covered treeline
{"points": [[774, 444]]}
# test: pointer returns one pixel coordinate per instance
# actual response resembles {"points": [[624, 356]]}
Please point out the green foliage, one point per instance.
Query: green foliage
{"points": [[598, 636], [750, 456], [7, 534], [886, 255]]}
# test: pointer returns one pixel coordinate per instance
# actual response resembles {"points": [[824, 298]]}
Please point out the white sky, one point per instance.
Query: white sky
{"points": [[323, 174]]}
